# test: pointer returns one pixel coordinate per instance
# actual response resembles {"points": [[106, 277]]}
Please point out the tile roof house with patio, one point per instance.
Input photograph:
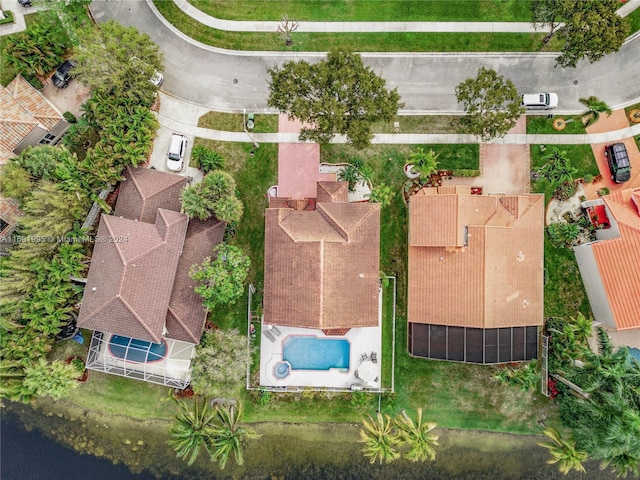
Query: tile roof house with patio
{"points": [[27, 118], [138, 289], [322, 261], [610, 266], [475, 291]]}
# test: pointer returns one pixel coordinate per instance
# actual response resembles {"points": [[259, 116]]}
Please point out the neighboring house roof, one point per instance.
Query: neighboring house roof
{"points": [[140, 287], [322, 266], [129, 291], [618, 259], [475, 260], [146, 191], [10, 215], [23, 108], [186, 315]]}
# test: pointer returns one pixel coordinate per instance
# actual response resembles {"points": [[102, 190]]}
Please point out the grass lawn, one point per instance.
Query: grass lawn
{"points": [[628, 110], [421, 124], [232, 122], [542, 124], [362, 42], [368, 10], [580, 156]]}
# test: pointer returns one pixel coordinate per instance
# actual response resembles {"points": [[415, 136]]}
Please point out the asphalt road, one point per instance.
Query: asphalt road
{"points": [[231, 80]]}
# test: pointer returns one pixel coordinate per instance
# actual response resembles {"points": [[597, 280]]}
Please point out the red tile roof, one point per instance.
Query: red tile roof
{"points": [[322, 266], [476, 260], [618, 259], [22, 108]]}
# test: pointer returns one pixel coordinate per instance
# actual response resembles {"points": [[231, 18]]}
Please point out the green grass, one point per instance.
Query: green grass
{"points": [[233, 122], [542, 124], [374, 42], [580, 156], [368, 10], [8, 17], [634, 20], [421, 124]]}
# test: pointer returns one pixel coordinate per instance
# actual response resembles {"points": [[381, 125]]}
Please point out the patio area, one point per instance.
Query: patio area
{"points": [[360, 353]]}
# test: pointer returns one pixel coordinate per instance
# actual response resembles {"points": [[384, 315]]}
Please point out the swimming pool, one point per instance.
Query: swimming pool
{"points": [[138, 351], [314, 353]]}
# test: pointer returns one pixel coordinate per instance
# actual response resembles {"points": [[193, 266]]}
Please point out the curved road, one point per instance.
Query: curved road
{"points": [[231, 80]]}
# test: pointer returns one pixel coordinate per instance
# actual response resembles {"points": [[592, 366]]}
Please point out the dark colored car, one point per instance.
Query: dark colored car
{"points": [[25, 3], [64, 74], [618, 160]]}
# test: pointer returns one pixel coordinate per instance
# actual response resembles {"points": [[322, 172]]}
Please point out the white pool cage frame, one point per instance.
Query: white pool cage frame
{"points": [[172, 371]]}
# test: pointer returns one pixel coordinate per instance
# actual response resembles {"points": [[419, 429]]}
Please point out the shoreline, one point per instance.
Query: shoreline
{"points": [[286, 450]]}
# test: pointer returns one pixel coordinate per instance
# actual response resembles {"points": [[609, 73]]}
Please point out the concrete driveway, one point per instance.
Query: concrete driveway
{"points": [[68, 99], [616, 121]]}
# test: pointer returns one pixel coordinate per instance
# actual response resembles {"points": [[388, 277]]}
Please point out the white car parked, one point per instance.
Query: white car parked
{"points": [[177, 149]]}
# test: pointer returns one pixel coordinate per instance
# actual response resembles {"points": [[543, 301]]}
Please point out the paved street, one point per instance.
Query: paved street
{"points": [[231, 80]]}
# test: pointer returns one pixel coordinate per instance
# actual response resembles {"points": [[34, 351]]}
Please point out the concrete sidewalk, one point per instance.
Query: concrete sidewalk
{"points": [[182, 117], [19, 13], [372, 27]]}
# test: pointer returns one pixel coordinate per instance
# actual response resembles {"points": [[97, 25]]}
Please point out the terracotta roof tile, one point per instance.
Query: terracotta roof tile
{"points": [[491, 279], [322, 266], [618, 259], [143, 191], [332, 192]]}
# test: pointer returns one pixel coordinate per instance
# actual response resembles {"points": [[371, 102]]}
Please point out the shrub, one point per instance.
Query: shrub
{"points": [[588, 178], [565, 191], [464, 172], [69, 117]]}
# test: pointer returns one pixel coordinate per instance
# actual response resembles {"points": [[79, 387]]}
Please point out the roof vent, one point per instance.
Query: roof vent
{"points": [[520, 256]]}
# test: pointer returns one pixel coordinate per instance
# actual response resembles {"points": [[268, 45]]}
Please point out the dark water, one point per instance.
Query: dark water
{"points": [[285, 452], [31, 456]]}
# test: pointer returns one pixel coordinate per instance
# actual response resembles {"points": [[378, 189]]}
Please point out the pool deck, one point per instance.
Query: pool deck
{"points": [[362, 340]]}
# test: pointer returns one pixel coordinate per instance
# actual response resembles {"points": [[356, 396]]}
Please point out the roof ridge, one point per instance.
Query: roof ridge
{"points": [[140, 321], [177, 318], [333, 222]]}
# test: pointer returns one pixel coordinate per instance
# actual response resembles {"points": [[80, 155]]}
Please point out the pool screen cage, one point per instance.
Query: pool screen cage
{"points": [[473, 345], [171, 371]]}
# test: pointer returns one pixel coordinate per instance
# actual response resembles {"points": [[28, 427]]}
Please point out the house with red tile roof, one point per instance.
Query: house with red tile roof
{"points": [[27, 118], [610, 266], [475, 286], [322, 261], [139, 298]]}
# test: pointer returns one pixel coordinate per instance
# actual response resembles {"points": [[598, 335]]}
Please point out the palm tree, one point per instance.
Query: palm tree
{"points": [[416, 435], [229, 435], [379, 439], [355, 172], [193, 204], [594, 108], [557, 168], [192, 429], [228, 209], [207, 159], [216, 185], [564, 452], [425, 163]]}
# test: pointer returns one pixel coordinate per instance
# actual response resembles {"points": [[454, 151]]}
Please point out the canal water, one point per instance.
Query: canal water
{"points": [[46, 443]]}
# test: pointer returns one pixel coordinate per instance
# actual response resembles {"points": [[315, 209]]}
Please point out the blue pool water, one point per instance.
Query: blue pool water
{"points": [[139, 351], [313, 353], [635, 352]]}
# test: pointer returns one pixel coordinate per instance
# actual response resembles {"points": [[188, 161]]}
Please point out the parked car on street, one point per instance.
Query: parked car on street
{"points": [[539, 101], [618, 160], [177, 149], [64, 73], [25, 3]]}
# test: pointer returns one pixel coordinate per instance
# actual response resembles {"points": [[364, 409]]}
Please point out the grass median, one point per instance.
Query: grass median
{"points": [[362, 42]]}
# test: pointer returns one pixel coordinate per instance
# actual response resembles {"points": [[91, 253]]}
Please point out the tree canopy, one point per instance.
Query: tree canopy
{"points": [[491, 102], [222, 278], [587, 28], [119, 60], [339, 95]]}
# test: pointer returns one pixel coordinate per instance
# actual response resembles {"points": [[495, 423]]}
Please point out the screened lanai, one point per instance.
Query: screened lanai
{"points": [[165, 363]]}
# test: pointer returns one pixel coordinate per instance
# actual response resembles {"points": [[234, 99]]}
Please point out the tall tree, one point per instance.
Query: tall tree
{"points": [[229, 434], [491, 102], [221, 279], [192, 430], [339, 95], [595, 107], [379, 438], [417, 435], [586, 28], [119, 60], [563, 452], [55, 379], [220, 363]]}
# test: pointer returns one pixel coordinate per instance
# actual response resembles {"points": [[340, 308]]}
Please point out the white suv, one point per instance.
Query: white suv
{"points": [[177, 148], [539, 101]]}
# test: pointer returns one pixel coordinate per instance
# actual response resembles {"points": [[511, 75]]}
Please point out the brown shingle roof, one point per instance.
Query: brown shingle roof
{"points": [[143, 191], [322, 266], [332, 192], [476, 260], [22, 108], [186, 315], [618, 259]]}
